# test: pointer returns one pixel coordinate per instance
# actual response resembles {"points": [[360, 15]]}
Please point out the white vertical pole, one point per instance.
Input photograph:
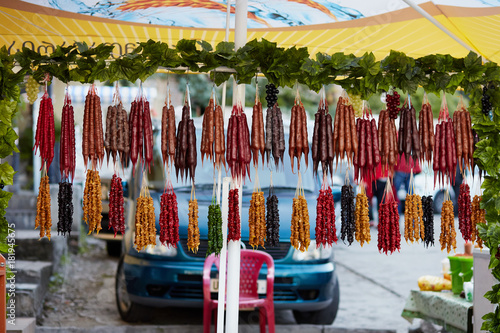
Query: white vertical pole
{"points": [[224, 210], [233, 274], [223, 257]]}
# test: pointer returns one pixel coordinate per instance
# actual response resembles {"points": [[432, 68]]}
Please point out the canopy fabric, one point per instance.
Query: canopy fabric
{"points": [[327, 26]]}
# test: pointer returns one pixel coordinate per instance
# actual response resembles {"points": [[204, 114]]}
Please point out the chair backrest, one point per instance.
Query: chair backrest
{"points": [[250, 265]]}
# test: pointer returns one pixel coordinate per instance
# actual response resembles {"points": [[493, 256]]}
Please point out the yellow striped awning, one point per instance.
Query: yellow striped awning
{"points": [[41, 26]]}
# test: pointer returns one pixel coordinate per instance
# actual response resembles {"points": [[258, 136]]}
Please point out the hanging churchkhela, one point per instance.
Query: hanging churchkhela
{"points": [[389, 237], [345, 140], [387, 141], [414, 229], [258, 143], [428, 218], [185, 160], [215, 236], [300, 237], [257, 216], [298, 142], [238, 153], [448, 236], [212, 137], [408, 138], [193, 241], [67, 162], [426, 131], [275, 135], [465, 211], [169, 217], [348, 222], [477, 217], [145, 228], [117, 146], [445, 153], [272, 217], [463, 136], [322, 149], [141, 132], [168, 139], [367, 159], [116, 139], [233, 216], [44, 145], [361, 217], [326, 233]]}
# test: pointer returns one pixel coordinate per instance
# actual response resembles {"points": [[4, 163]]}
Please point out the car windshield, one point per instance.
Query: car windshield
{"points": [[282, 179]]}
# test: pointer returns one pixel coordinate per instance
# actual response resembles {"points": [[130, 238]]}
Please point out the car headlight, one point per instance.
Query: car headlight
{"points": [[313, 253], [159, 249]]}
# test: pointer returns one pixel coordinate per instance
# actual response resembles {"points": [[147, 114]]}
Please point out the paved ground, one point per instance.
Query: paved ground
{"points": [[374, 286], [373, 289]]}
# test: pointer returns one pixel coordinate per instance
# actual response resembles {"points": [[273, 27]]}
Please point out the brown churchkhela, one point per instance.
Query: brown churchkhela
{"points": [[298, 140], [212, 138], [93, 137], [168, 139]]}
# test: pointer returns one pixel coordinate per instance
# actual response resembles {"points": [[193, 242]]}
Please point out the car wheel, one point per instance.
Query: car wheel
{"points": [[129, 311], [324, 316], [114, 248]]}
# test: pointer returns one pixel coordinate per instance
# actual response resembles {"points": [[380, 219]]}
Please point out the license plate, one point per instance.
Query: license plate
{"points": [[261, 286]]}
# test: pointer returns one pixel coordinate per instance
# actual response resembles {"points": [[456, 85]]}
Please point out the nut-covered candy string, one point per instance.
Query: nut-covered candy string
{"points": [[92, 201], [145, 227], [389, 236], [43, 219], [193, 241], [257, 215], [272, 216], [362, 219], [447, 238], [326, 233], [414, 229], [300, 234]]}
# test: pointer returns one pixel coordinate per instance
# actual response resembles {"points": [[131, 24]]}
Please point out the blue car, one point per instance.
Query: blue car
{"points": [[305, 282]]}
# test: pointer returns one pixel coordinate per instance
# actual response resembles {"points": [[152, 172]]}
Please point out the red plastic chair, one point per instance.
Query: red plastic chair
{"points": [[251, 263]]}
